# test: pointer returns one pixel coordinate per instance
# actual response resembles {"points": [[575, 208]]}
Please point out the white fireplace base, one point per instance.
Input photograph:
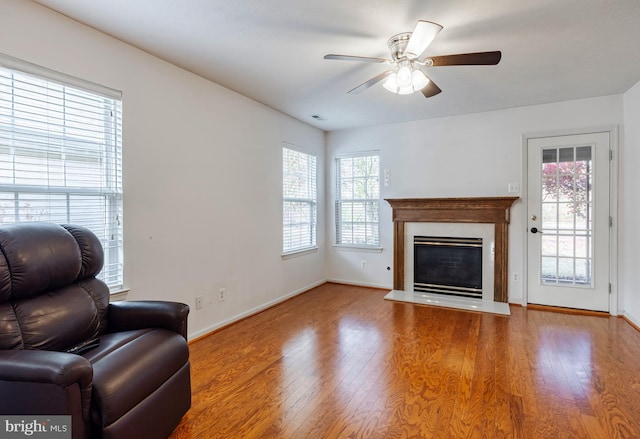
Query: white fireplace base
{"points": [[464, 303]]}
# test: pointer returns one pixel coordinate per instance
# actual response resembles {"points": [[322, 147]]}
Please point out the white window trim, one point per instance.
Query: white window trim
{"points": [[358, 248], [10, 62], [302, 252], [119, 295]]}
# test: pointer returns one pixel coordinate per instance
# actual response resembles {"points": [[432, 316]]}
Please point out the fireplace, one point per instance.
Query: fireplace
{"points": [[448, 265], [492, 212]]}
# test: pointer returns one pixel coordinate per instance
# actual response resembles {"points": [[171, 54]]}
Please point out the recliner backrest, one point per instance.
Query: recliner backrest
{"points": [[49, 296]]}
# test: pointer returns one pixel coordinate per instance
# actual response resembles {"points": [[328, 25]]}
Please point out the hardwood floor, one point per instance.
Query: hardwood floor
{"points": [[341, 362]]}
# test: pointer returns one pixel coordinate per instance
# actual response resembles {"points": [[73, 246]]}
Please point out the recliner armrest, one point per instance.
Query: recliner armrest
{"points": [[58, 368], [31, 369], [140, 314]]}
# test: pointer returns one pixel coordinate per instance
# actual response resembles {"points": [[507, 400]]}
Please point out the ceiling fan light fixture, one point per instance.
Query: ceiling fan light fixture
{"points": [[404, 76], [406, 80], [419, 80], [391, 83]]}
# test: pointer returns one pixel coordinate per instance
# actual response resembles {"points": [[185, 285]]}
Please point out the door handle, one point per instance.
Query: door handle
{"points": [[535, 230]]}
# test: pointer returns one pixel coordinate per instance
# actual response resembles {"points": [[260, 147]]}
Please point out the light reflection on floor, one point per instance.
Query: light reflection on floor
{"points": [[564, 361], [302, 360]]}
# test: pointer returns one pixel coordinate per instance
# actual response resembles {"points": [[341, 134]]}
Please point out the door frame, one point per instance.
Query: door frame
{"points": [[612, 130]]}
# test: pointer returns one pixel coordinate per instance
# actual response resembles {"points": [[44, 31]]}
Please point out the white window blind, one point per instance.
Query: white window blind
{"points": [[61, 159], [357, 200], [299, 200]]}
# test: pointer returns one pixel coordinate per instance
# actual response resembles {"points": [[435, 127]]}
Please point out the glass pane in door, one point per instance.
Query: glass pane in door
{"points": [[566, 252]]}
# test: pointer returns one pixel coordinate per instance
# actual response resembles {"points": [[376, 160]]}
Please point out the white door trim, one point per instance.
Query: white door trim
{"points": [[613, 206]]}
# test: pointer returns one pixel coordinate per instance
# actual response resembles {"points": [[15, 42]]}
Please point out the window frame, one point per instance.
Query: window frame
{"points": [[312, 202], [338, 201]]}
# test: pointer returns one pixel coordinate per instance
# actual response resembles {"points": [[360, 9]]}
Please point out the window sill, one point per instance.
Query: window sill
{"points": [[119, 295], [357, 248], [297, 253]]}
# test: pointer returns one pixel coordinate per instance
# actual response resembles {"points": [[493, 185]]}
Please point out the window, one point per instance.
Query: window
{"points": [[357, 200], [299, 200], [61, 156]]}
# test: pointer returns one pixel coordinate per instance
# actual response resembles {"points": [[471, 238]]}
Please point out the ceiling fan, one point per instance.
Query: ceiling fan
{"points": [[407, 58]]}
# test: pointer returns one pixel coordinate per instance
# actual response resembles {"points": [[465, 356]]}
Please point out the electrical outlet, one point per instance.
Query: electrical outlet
{"points": [[363, 264], [515, 277], [222, 295], [198, 302]]}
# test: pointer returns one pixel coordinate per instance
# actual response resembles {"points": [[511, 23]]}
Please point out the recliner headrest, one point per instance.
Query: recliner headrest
{"points": [[36, 257]]}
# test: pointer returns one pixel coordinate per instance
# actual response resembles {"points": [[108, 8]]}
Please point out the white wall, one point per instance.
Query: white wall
{"points": [[629, 246], [202, 172], [471, 155]]}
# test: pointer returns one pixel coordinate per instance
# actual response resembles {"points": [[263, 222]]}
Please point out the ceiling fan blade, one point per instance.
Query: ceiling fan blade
{"points": [[355, 58], [421, 37], [431, 89], [467, 59], [362, 87]]}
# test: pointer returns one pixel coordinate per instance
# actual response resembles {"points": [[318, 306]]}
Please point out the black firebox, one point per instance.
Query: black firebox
{"points": [[448, 265]]}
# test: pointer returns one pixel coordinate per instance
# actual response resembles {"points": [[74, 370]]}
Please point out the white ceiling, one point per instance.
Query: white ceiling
{"points": [[272, 50]]}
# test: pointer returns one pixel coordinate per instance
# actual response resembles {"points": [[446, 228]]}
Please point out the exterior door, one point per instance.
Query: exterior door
{"points": [[569, 221]]}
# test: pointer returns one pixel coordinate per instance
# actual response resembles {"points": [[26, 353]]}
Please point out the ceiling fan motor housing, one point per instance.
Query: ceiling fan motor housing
{"points": [[398, 44]]}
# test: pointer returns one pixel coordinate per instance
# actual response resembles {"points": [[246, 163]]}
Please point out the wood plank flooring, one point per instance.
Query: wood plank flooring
{"points": [[341, 362]]}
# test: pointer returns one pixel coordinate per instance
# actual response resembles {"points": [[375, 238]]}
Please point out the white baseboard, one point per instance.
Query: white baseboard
{"points": [[631, 318], [253, 311]]}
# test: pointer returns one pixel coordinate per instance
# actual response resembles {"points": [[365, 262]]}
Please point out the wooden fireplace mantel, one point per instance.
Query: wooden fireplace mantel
{"points": [[487, 210]]}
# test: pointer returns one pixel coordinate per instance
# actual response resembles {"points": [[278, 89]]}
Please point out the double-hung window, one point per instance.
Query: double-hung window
{"points": [[61, 155], [299, 199], [357, 200]]}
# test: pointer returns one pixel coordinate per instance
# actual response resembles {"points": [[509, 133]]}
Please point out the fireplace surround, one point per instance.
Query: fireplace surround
{"points": [[479, 210]]}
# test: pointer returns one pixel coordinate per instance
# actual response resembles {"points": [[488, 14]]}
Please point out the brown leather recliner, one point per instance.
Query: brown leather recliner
{"points": [[132, 380]]}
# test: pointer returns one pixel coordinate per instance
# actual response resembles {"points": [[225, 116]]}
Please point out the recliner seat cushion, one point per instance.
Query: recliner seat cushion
{"points": [[129, 366]]}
